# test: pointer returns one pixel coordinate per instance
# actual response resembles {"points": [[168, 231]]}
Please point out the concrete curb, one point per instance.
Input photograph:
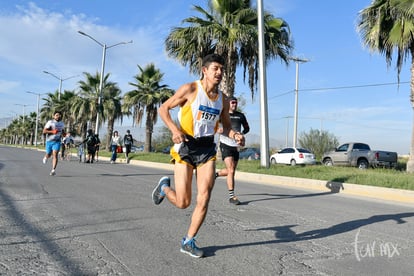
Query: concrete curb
{"points": [[388, 194]]}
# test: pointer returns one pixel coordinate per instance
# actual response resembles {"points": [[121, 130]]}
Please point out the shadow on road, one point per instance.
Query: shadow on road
{"points": [[286, 234], [280, 196]]}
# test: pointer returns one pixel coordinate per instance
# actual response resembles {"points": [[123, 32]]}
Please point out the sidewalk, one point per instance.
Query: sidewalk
{"points": [[379, 193]]}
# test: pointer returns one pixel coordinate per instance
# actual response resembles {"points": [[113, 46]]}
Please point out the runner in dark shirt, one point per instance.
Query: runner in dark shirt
{"points": [[128, 142], [229, 148]]}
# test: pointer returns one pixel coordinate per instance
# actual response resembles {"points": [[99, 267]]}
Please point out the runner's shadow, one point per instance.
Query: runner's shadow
{"points": [[280, 196], [131, 174], [286, 234]]}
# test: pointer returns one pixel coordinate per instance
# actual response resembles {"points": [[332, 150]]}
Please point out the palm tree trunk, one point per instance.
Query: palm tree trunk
{"points": [[148, 131], [109, 134]]}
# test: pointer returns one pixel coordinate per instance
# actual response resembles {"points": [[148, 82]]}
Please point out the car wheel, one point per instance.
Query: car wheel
{"points": [[328, 162], [363, 164], [293, 162], [273, 161]]}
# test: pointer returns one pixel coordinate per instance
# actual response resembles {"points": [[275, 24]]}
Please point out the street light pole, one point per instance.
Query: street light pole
{"points": [[287, 130], [264, 145], [37, 114], [295, 128], [98, 110], [104, 48], [60, 81], [24, 109]]}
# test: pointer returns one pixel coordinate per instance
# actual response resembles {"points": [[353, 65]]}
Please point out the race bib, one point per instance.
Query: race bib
{"points": [[207, 115]]}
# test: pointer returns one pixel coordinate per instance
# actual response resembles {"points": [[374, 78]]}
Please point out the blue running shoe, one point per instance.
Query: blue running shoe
{"points": [[158, 194], [191, 249]]}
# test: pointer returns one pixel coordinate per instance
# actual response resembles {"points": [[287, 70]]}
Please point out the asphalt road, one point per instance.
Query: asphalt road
{"points": [[98, 219]]}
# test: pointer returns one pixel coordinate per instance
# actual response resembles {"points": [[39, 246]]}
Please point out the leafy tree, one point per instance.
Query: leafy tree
{"points": [[147, 97], [163, 140], [387, 26], [229, 28], [318, 142]]}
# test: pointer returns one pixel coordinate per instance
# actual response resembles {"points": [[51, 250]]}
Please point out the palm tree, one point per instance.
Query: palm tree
{"points": [[147, 97], [229, 29], [32, 126], [87, 104], [112, 107], [62, 103], [50, 106], [14, 131], [65, 106], [82, 114], [388, 25]]}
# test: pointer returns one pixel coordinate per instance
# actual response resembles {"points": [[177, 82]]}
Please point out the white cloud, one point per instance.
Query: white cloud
{"points": [[35, 39]]}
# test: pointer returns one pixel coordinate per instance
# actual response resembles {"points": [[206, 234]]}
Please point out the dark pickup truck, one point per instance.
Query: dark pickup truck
{"points": [[360, 155]]}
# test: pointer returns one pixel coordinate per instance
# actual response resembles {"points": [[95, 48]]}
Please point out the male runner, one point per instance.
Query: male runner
{"points": [[202, 105], [54, 130]]}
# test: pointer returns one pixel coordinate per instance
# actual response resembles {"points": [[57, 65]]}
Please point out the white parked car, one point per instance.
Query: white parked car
{"points": [[293, 156]]}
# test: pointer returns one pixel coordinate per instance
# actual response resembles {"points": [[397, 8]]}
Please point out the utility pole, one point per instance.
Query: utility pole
{"points": [[295, 127]]}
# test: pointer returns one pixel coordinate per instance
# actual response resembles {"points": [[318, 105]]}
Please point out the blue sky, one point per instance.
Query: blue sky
{"points": [[43, 35]]}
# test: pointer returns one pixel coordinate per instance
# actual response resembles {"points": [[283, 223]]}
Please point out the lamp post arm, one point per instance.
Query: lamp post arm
{"points": [[70, 77], [85, 34], [120, 43], [47, 72], [60, 81]]}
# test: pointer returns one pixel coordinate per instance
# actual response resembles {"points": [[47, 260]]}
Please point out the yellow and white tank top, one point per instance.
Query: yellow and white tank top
{"points": [[200, 118]]}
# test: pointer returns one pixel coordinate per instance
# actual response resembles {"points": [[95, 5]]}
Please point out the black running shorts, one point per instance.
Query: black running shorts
{"points": [[195, 152], [228, 151]]}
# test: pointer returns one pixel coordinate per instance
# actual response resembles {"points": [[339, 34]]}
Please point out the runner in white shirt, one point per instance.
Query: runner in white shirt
{"points": [[54, 130]]}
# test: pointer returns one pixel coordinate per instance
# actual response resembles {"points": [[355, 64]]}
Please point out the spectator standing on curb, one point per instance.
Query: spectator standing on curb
{"points": [[115, 144], [54, 130], [230, 150], [128, 142]]}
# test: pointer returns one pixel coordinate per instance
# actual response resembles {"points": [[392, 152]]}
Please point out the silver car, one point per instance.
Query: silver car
{"points": [[293, 156]]}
